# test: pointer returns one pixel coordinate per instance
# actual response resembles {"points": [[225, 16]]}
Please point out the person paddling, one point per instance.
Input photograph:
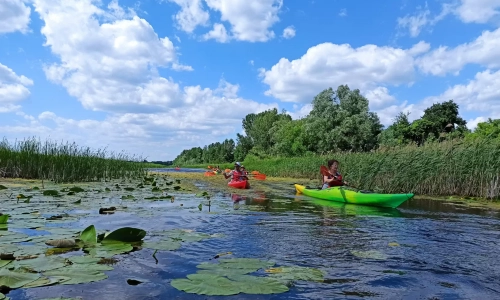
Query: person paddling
{"points": [[334, 178], [236, 174]]}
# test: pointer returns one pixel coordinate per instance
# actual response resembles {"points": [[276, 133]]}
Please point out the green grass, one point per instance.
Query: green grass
{"points": [[64, 162], [460, 167]]}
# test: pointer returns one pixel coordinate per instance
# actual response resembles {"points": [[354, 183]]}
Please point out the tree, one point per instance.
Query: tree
{"points": [[288, 138], [341, 120], [489, 129]]}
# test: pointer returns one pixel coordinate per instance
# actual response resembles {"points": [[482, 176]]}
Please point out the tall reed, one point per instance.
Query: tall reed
{"points": [[64, 162], [459, 167]]}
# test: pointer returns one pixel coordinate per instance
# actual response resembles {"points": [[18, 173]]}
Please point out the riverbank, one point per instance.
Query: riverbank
{"points": [[284, 186], [462, 168]]}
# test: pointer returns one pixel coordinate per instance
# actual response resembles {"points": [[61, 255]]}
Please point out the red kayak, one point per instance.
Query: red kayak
{"points": [[177, 169], [243, 184]]}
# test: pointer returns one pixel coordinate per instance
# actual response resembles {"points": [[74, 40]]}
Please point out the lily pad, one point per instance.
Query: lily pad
{"points": [[2, 187], [40, 264], [125, 234], [4, 219], [285, 274], [207, 284], [163, 245], [110, 249], [45, 281], [186, 235], [370, 254], [89, 235], [258, 285], [14, 280], [50, 193], [77, 276]]}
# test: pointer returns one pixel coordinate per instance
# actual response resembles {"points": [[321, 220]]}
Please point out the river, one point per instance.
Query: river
{"points": [[423, 250]]}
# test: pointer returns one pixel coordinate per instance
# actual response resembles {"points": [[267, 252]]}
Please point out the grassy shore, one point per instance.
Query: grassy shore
{"points": [[461, 168], [64, 162]]}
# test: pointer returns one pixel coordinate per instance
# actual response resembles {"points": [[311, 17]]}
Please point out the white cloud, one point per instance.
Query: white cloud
{"points": [[13, 89], [330, 65], [480, 94], [343, 12], [301, 112], [191, 14], [207, 116], [289, 32], [218, 33], [416, 22], [108, 66], [250, 20], [14, 16], [477, 11], [482, 51]]}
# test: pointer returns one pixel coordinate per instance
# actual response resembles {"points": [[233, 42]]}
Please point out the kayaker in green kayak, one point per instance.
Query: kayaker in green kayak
{"points": [[333, 176], [236, 174]]}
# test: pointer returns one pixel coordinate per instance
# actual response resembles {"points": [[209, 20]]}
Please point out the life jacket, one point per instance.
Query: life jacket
{"points": [[337, 182], [237, 176]]}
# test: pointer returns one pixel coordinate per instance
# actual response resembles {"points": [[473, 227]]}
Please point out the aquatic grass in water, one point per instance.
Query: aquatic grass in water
{"points": [[33, 159]]}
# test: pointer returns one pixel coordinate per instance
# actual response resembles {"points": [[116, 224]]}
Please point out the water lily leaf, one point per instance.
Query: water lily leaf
{"points": [[16, 280], [186, 235], [226, 271], [4, 263], [245, 263], [50, 193], [14, 238], [2, 187], [110, 249], [77, 276], [207, 284], [86, 259], [89, 235], [3, 297], [258, 285], [76, 189], [163, 245], [393, 244], [40, 264], [285, 274], [370, 254], [45, 281], [4, 219], [125, 234]]}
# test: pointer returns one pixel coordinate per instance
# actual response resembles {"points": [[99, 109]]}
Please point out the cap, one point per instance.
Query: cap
{"points": [[237, 164]]}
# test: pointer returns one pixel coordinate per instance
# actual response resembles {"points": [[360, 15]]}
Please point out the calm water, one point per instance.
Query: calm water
{"points": [[445, 251]]}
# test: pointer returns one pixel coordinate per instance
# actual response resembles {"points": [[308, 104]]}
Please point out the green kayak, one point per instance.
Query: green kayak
{"points": [[340, 194]]}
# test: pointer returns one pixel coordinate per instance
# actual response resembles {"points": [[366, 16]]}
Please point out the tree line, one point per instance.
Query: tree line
{"points": [[340, 120]]}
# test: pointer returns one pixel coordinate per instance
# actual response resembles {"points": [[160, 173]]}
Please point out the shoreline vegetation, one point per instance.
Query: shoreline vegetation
{"points": [[464, 168], [434, 154], [65, 162]]}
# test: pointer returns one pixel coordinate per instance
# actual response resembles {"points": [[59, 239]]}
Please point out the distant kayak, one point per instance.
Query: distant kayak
{"points": [[242, 184], [177, 169], [340, 194]]}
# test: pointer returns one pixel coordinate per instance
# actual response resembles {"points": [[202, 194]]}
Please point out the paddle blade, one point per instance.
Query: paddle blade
{"points": [[209, 174], [255, 172], [260, 176], [227, 170]]}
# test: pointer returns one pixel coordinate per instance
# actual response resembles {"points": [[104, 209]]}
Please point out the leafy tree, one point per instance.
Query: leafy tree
{"points": [[488, 129], [288, 137], [341, 120]]}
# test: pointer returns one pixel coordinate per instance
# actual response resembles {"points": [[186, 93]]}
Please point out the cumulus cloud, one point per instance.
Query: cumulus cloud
{"points": [[330, 65], [14, 16], [191, 15], [289, 32], [477, 11], [218, 33], [250, 21], [482, 51], [13, 89]]}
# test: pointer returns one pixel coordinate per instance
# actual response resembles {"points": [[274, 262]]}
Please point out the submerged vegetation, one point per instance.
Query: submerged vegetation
{"points": [[433, 155], [64, 162]]}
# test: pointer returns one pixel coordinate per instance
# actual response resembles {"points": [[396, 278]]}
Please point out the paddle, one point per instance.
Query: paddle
{"points": [[209, 173], [258, 176]]}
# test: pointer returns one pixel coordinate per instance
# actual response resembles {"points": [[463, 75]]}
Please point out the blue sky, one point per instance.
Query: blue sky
{"points": [[155, 77]]}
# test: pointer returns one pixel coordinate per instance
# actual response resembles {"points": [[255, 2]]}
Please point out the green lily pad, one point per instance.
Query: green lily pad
{"points": [[89, 235], [4, 263], [4, 219], [238, 263], [125, 234], [50, 193], [185, 235], [14, 280], [110, 249], [2, 187], [163, 245], [77, 275], [370, 254], [258, 285], [40, 264], [207, 284], [226, 271], [76, 189], [86, 259], [285, 274], [3, 297], [45, 281]]}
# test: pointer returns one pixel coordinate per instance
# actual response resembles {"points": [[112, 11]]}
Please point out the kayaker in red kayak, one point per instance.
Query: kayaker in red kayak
{"points": [[334, 178], [236, 174]]}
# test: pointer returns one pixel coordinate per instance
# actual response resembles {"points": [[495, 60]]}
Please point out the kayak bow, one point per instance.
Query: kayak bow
{"points": [[340, 194], [241, 184]]}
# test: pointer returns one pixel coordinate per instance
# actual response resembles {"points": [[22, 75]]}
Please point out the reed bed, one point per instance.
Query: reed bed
{"points": [[64, 162], [459, 167]]}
